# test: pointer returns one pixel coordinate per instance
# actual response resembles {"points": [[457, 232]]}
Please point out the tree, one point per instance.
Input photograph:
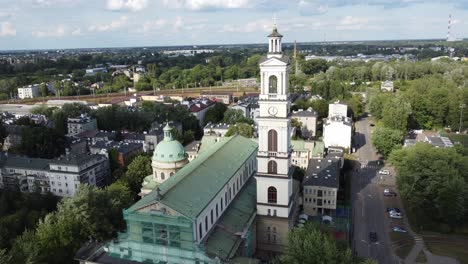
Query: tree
{"points": [[386, 139], [216, 113], [43, 89], [233, 116], [310, 67], [377, 102], [433, 181], [36, 142], [137, 170], [356, 104], [310, 245], [321, 107], [242, 129], [395, 114]]}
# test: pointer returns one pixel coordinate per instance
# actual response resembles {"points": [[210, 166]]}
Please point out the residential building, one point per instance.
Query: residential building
{"points": [[387, 86], [301, 153], [248, 106], [60, 176], [429, 137], [308, 119], [30, 91], [337, 132], [125, 151], [225, 98], [192, 149], [94, 71], [321, 183], [13, 137], [216, 129], [337, 108], [198, 108], [81, 124]]}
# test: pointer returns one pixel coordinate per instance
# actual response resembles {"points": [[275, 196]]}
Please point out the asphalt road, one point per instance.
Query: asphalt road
{"points": [[367, 199]]}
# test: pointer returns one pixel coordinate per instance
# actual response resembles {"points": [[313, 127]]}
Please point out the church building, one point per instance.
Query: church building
{"points": [[237, 199]]}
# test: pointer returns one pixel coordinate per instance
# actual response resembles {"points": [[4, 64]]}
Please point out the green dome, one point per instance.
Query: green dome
{"points": [[169, 150]]}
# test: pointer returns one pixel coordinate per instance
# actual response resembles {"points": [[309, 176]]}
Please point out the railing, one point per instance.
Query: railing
{"points": [[273, 154]]}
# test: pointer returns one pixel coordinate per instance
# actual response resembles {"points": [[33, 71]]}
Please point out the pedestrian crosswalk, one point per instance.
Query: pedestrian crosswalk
{"points": [[418, 239], [365, 166]]}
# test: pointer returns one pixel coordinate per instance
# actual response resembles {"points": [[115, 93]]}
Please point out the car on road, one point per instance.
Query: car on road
{"points": [[395, 215], [389, 192], [371, 124], [393, 209], [384, 172], [373, 237], [399, 229]]}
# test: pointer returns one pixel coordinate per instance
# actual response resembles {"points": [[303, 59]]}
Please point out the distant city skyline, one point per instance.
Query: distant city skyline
{"points": [[60, 24]]}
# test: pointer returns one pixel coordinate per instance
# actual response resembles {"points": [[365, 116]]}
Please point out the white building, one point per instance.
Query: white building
{"points": [[387, 86], [60, 176], [337, 109], [31, 91], [337, 132], [217, 129], [276, 189], [198, 108], [308, 119]]}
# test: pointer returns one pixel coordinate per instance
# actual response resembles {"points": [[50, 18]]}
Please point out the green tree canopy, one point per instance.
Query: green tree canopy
{"points": [[216, 113], [137, 170], [242, 129], [433, 181], [233, 116], [386, 139]]}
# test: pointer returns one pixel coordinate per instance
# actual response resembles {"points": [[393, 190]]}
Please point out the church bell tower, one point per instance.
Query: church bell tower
{"points": [[275, 199]]}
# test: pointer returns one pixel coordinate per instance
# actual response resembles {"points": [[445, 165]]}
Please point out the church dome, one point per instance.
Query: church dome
{"points": [[169, 150]]}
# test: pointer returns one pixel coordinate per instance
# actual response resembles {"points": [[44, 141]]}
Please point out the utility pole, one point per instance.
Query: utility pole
{"points": [[462, 106]]}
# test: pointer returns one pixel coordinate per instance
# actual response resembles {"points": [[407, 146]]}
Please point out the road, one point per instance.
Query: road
{"points": [[367, 200]]}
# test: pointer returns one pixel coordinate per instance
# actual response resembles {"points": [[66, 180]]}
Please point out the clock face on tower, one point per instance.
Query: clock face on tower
{"points": [[273, 111]]}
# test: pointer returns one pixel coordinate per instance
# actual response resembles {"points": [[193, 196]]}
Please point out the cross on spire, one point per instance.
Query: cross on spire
{"points": [[274, 20]]}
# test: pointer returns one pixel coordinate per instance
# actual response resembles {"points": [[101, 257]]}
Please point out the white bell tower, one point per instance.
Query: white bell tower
{"points": [[274, 180]]}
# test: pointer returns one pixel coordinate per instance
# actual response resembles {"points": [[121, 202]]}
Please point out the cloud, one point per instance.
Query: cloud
{"points": [[48, 3], [126, 5], [352, 23], [59, 31], [208, 4], [154, 25], [308, 8], [178, 24], [114, 24], [77, 32], [7, 29], [253, 26]]}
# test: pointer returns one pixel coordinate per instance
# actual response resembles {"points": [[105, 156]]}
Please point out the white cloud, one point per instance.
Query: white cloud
{"points": [[115, 24], [253, 26], [352, 23], [154, 25], [77, 32], [308, 8], [59, 31], [53, 2], [178, 24], [208, 4], [7, 29], [131, 5]]}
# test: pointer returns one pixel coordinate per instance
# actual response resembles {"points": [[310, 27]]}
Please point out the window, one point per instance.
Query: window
{"points": [[221, 204], [211, 216], [170, 175], [272, 167], [274, 229], [273, 82], [206, 223], [272, 140], [274, 212], [272, 193], [217, 210], [162, 176], [200, 230], [269, 212]]}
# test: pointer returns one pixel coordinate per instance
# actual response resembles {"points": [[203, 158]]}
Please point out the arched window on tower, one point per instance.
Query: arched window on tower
{"points": [[273, 81], [272, 167], [272, 194], [272, 140], [163, 176]]}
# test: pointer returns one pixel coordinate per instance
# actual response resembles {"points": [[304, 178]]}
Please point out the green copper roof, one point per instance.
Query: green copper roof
{"points": [[319, 149], [223, 241], [193, 187], [169, 150]]}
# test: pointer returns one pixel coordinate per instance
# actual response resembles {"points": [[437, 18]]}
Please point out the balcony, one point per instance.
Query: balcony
{"points": [[273, 154]]}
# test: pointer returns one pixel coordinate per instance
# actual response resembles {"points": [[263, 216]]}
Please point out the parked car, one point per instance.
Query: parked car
{"points": [[384, 172], [389, 192], [393, 209], [395, 215], [399, 229], [371, 124], [373, 237]]}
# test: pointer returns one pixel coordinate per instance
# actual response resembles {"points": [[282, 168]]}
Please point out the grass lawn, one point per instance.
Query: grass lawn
{"points": [[421, 258], [456, 251], [402, 244]]}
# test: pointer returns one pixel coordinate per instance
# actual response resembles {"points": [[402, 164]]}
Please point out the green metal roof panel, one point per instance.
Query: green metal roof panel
{"points": [[319, 149], [298, 144], [193, 187], [223, 241]]}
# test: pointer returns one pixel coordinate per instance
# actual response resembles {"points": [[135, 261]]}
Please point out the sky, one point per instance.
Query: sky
{"points": [[59, 24]]}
